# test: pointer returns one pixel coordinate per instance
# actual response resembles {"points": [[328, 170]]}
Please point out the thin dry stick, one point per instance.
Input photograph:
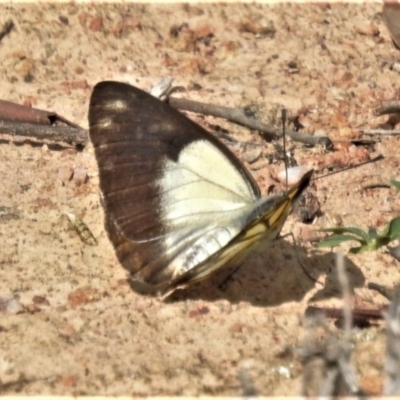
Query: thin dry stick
{"points": [[320, 360], [359, 316], [232, 114], [53, 134], [10, 111], [381, 132], [7, 28], [336, 375], [346, 368], [344, 284], [383, 290], [392, 362], [375, 159], [238, 116], [284, 145], [388, 107]]}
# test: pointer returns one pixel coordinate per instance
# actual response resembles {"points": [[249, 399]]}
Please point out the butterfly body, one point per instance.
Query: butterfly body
{"points": [[179, 205]]}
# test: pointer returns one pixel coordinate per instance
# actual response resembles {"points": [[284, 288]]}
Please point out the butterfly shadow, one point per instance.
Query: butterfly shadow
{"points": [[273, 276]]}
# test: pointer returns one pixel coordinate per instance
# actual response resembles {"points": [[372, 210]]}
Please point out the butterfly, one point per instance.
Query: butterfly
{"points": [[179, 204]]}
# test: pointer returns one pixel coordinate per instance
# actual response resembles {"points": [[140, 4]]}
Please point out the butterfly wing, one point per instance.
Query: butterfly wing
{"points": [[263, 223], [166, 183]]}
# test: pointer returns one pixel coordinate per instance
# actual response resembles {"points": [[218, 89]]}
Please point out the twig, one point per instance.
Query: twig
{"points": [[336, 373], [322, 141], [383, 290], [388, 107], [320, 353], [20, 383], [53, 134], [284, 145], [392, 364], [360, 316], [375, 186], [7, 28], [17, 112], [238, 116], [232, 114], [345, 366], [230, 139], [380, 132], [375, 159]]}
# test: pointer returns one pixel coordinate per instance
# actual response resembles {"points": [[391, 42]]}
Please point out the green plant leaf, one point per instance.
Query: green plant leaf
{"points": [[375, 243], [369, 241], [357, 250], [371, 245], [335, 240], [372, 233], [392, 230], [396, 184], [348, 229]]}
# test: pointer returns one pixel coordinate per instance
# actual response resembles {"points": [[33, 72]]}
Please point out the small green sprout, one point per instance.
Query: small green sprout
{"points": [[368, 240]]}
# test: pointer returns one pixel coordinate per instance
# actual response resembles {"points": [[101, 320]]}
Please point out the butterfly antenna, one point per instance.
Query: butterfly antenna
{"points": [[284, 144]]}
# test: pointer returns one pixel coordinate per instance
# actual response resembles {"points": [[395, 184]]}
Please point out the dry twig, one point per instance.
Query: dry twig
{"points": [[238, 116], [392, 363], [381, 132], [328, 371], [16, 112], [7, 28], [388, 107], [44, 133]]}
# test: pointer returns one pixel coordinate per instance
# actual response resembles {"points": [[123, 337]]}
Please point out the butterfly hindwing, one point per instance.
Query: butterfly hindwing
{"points": [[263, 224]]}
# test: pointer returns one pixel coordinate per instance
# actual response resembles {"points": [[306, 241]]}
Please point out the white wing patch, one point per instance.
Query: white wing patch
{"points": [[202, 181], [203, 158], [203, 248], [204, 203], [117, 106]]}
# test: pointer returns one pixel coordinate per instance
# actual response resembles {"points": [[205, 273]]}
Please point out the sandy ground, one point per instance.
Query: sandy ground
{"points": [[80, 329]]}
